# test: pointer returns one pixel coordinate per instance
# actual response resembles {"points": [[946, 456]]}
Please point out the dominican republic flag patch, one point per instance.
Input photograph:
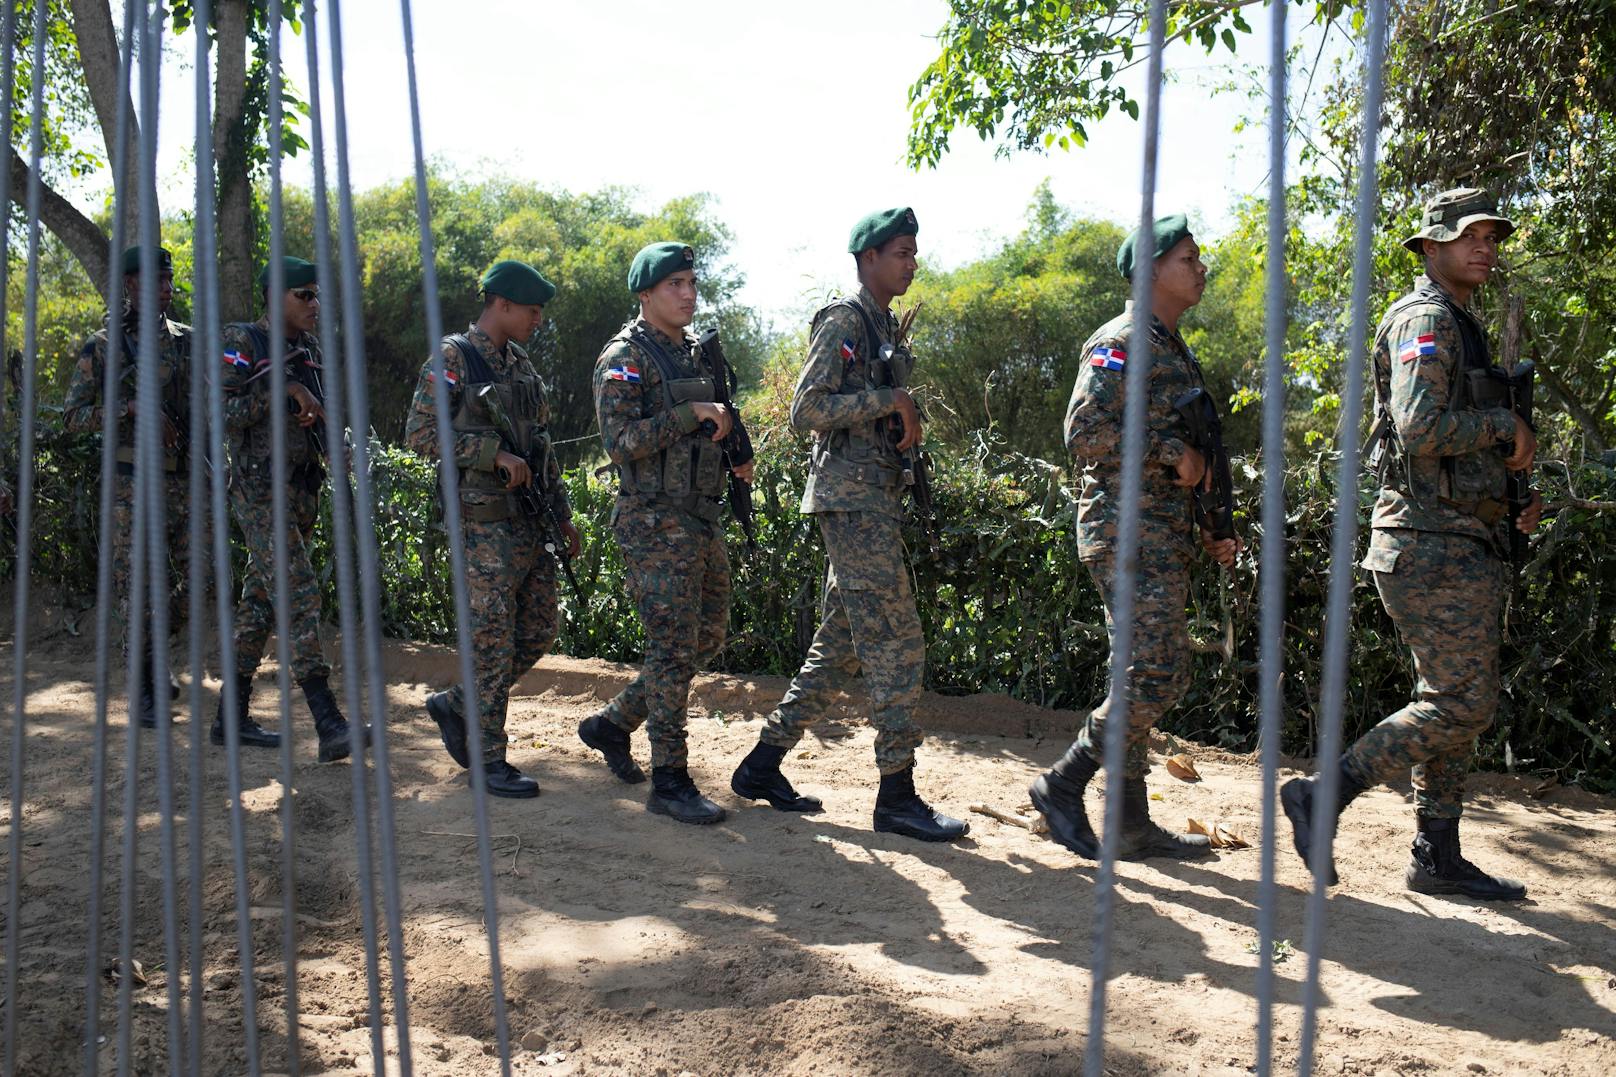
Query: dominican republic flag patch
{"points": [[848, 350], [1108, 358], [623, 373], [1414, 347], [236, 359], [448, 376]]}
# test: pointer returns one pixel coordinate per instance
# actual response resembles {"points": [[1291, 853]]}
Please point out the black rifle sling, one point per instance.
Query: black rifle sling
{"points": [[872, 340], [663, 361]]}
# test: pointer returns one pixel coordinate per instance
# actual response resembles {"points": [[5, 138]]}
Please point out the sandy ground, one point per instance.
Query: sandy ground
{"points": [[780, 944]]}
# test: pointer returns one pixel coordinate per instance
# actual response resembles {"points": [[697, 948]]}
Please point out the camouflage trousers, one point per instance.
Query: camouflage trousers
{"points": [[868, 625], [1159, 672], [1445, 593], [251, 502], [678, 576], [176, 525], [511, 587]]}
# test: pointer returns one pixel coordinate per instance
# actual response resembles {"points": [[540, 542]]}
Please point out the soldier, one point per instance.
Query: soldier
{"points": [[1447, 442], [82, 412], [852, 396], [502, 452], [247, 420], [1160, 669], [654, 397]]}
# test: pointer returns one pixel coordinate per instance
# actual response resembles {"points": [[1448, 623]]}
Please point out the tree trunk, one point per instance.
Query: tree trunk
{"points": [[80, 235], [99, 53], [237, 301]]}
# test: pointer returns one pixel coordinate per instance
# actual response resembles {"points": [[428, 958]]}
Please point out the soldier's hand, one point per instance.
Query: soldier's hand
{"points": [[911, 419], [307, 410], [718, 415], [513, 469], [1191, 470], [575, 541], [1223, 551], [744, 472], [1531, 515], [1525, 449]]}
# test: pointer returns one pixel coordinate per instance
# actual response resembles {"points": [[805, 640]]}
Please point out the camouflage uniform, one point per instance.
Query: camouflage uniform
{"points": [[1439, 528], [247, 426], [510, 577], [1160, 672], [869, 622], [668, 522], [82, 412]]}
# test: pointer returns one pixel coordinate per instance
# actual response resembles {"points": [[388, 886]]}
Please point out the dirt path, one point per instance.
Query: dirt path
{"points": [[778, 944]]}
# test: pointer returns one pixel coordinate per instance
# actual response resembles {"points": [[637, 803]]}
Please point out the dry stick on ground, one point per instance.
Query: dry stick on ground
{"points": [[1035, 825], [473, 837]]}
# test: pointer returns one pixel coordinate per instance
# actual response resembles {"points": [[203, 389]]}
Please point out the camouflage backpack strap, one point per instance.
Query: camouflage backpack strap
{"points": [[872, 341], [662, 360], [477, 368]]}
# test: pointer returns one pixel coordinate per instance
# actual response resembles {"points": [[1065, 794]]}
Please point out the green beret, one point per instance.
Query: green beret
{"points": [[131, 260], [1164, 234], [881, 226], [518, 282], [655, 262], [1451, 212], [298, 273]]}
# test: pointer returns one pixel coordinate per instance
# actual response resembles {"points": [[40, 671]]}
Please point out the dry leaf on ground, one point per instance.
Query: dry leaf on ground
{"points": [[1182, 767], [1221, 836]]}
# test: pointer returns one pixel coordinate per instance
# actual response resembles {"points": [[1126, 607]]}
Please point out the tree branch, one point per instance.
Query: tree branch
{"points": [[80, 235], [99, 53]]}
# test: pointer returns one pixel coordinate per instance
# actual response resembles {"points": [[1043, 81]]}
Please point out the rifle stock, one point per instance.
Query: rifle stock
{"points": [[1214, 508]]}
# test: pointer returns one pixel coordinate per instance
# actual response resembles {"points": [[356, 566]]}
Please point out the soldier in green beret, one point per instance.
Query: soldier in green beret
{"points": [[1168, 535], [501, 449], [83, 412], [655, 391], [1446, 444], [248, 429], [853, 396]]}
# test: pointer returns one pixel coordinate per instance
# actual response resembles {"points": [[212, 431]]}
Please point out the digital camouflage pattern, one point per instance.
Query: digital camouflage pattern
{"points": [[1445, 593], [247, 419], [868, 625], [677, 569], [510, 576], [1094, 438]]}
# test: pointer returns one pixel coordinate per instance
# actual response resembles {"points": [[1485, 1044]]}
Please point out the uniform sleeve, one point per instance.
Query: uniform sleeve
{"points": [[82, 410], [246, 398], [1094, 415], [816, 404], [1423, 356], [619, 406]]}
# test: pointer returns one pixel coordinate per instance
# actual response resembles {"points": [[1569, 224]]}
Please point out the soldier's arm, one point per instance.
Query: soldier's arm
{"points": [[246, 399], [472, 451], [1422, 388], [624, 429], [816, 404], [1094, 415], [82, 410]]}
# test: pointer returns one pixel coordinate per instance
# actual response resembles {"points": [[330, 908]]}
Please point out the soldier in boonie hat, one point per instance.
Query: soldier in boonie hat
{"points": [[1451, 212]]}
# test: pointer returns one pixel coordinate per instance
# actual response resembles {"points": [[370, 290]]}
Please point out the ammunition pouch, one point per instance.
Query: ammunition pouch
{"points": [[875, 472], [693, 466]]}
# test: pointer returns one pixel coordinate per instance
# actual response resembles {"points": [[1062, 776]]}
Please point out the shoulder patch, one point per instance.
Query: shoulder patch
{"points": [[1416, 347], [1108, 358], [623, 371]]}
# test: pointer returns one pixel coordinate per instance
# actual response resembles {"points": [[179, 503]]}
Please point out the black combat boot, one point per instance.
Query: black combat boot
{"points": [[1438, 867], [252, 734], [1141, 837], [1059, 795], [759, 778], [143, 707], [598, 732], [899, 810], [450, 725], [329, 724], [503, 780], [673, 794], [1296, 797]]}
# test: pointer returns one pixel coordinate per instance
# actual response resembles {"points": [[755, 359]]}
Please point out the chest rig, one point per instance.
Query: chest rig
{"points": [[865, 452], [304, 445], [173, 350], [520, 396], [690, 472]]}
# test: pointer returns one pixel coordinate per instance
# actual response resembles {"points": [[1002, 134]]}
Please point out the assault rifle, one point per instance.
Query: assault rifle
{"points": [[305, 374], [178, 434], [1214, 508], [533, 498], [737, 444], [915, 462], [1519, 487]]}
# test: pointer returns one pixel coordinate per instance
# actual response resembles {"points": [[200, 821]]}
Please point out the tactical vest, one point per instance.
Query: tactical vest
{"points": [[1472, 483], [521, 398], [865, 452], [302, 450], [170, 391], [690, 472]]}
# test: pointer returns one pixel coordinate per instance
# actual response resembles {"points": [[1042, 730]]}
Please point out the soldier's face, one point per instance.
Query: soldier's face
{"points": [[1180, 274], [1467, 260], [302, 309], [520, 320], [165, 290], [890, 268], [672, 300]]}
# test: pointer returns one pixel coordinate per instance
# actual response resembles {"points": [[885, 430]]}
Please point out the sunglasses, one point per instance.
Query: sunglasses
{"points": [[308, 295]]}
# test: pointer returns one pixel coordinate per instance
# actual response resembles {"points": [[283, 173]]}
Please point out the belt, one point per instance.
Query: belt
{"points": [[873, 474], [489, 511], [701, 506], [126, 460], [1489, 510]]}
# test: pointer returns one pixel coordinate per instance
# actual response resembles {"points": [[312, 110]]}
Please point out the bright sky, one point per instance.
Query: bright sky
{"points": [[793, 116]]}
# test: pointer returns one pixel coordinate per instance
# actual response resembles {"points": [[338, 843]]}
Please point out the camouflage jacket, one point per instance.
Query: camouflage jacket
{"points": [[247, 406], [82, 411], [474, 450], [1443, 464], [846, 386], [1094, 419]]}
